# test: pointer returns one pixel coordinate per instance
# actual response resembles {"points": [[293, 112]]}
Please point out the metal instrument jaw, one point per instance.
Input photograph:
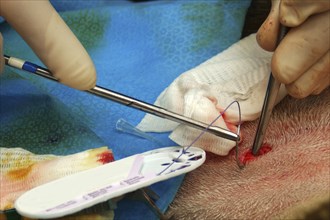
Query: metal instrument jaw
{"points": [[269, 103], [128, 101]]}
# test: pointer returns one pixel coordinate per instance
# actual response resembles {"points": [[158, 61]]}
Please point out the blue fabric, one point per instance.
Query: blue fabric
{"points": [[38, 122], [138, 50], [71, 5]]}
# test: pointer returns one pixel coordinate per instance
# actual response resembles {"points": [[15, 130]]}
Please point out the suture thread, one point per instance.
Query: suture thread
{"points": [[185, 149]]}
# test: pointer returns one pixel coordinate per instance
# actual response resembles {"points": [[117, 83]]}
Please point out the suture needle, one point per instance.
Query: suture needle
{"points": [[269, 103], [126, 100]]}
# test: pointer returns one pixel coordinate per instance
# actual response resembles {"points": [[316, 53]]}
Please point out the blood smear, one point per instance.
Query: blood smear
{"points": [[248, 156], [105, 157]]}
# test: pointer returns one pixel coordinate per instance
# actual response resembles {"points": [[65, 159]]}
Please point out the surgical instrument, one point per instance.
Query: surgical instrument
{"points": [[126, 100], [269, 102]]}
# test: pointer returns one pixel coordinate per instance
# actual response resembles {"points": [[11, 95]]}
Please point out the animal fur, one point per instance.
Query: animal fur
{"points": [[281, 184]]}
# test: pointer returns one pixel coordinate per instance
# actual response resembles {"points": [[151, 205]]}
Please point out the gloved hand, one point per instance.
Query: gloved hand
{"points": [[52, 40], [302, 60]]}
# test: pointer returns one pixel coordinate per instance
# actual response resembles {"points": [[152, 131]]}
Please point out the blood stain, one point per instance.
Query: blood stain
{"points": [[105, 157], [248, 156]]}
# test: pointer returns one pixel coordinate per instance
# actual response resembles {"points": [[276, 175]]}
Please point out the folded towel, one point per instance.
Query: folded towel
{"points": [[21, 170], [239, 73]]}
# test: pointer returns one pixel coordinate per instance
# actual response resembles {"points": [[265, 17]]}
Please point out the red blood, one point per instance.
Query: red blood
{"points": [[105, 157], [248, 156]]}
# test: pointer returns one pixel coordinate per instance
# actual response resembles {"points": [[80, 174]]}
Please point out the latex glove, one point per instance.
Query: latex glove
{"points": [[302, 60], [52, 40]]}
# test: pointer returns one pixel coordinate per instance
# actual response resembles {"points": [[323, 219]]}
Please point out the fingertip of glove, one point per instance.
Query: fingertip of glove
{"points": [[264, 42], [81, 77], [293, 14], [296, 91], [267, 33], [292, 20], [280, 70]]}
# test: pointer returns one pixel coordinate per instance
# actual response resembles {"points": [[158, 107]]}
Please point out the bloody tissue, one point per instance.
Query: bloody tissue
{"points": [[248, 156], [105, 157]]}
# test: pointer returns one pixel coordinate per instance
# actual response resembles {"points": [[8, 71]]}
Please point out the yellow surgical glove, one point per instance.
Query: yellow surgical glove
{"points": [[302, 60], [51, 39]]}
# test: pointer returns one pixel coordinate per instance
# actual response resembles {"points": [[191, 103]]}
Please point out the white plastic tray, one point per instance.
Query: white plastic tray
{"points": [[87, 188]]}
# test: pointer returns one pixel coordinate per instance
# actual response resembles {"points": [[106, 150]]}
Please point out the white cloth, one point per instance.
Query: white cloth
{"points": [[239, 73]]}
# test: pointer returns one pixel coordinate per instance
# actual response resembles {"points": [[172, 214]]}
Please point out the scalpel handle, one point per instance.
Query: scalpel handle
{"points": [[269, 103], [126, 100]]}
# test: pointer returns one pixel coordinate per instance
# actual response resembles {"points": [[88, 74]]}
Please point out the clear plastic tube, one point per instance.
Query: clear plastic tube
{"points": [[124, 126]]}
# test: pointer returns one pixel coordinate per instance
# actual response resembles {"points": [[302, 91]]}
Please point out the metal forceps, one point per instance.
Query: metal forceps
{"points": [[126, 100], [269, 102]]}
